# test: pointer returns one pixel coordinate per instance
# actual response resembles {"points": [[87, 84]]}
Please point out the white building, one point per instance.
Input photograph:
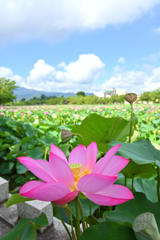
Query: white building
{"points": [[110, 92], [99, 94], [121, 92]]}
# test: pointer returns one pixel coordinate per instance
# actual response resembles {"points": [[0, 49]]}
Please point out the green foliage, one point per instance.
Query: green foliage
{"points": [[80, 99], [15, 199], [102, 130], [85, 206], [146, 96], [81, 94], [6, 90], [135, 170], [151, 96], [128, 211], [148, 187], [108, 231], [43, 97], [141, 151], [26, 228]]}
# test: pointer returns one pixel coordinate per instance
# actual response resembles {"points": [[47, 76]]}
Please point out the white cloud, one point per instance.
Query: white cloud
{"points": [[51, 20], [148, 67], [121, 60], [5, 72], [157, 30], [117, 69], [155, 77], [40, 72], [21, 81], [85, 70], [153, 57], [61, 65], [80, 74], [134, 81]]}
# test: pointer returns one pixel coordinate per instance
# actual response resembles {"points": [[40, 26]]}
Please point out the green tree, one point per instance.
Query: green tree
{"points": [[156, 95], [43, 97], [81, 94], [7, 87], [146, 96], [80, 100]]}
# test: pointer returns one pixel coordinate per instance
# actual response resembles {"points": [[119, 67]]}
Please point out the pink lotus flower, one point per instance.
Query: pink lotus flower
{"points": [[149, 111], [62, 179]]}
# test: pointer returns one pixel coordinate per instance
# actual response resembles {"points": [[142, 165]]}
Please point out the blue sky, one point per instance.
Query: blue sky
{"points": [[81, 45]]}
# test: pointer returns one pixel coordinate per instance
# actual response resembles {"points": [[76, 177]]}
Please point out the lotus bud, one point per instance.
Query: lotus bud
{"points": [[146, 226], [131, 97], [66, 135]]}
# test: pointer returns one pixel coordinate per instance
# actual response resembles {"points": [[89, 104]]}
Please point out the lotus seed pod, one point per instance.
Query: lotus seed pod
{"points": [[146, 226], [66, 135], [131, 97]]}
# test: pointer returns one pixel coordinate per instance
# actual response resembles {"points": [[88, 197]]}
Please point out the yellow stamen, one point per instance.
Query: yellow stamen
{"points": [[78, 172]]}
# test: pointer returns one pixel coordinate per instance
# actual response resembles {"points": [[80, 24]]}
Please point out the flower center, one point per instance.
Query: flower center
{"points": [[78, 172]]}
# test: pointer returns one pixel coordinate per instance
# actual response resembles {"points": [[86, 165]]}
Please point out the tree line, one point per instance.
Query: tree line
{"points": [[7, 96], [79, 99]]}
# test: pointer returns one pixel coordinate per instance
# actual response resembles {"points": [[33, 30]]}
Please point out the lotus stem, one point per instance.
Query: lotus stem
{"points": [[82, 215], [76, 134], [90, 208], [158, 184], [78, 233], [110, 208], [99, 212], [125, 181], [26, 175], [45, 154], [132, 183], [60, 217], [70, 214], [131, 122]]}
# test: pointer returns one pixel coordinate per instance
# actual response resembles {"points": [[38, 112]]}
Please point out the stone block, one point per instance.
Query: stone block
{"points": [[34, 208], [4, 190], [9, 214], [3, 229], [9, 218], [56, 231]]}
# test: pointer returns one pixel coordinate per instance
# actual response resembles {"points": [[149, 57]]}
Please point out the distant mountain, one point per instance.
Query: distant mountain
{"points": [[26, 93]]}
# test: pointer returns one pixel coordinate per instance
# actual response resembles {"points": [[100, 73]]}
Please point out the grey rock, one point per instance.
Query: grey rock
{"points": [[55, 232], [34, 208], [9, 214], [4, 190], [3, 229], [9, 218]]}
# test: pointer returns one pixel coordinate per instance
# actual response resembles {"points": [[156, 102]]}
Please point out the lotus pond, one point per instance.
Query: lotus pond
{"points": [[30, 131]]}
